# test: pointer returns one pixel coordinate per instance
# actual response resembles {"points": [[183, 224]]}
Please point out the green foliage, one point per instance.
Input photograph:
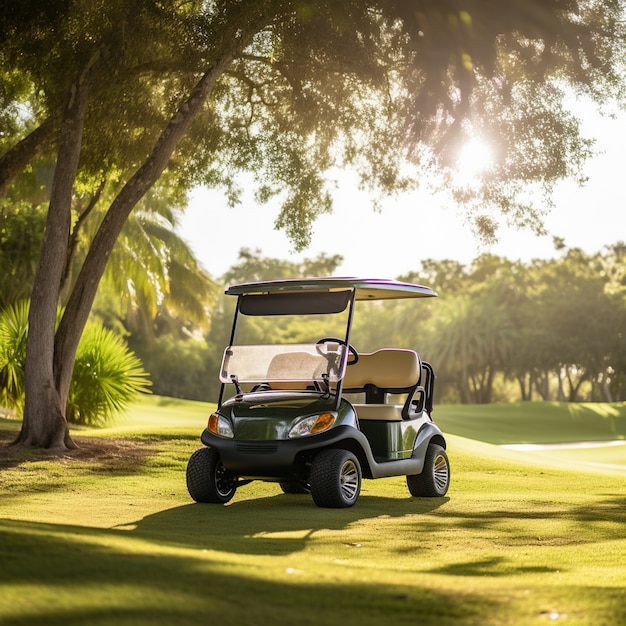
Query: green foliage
{"points": [[107, 376], [180, 367], [21, 232], [153, 284], [305, 89], [500, 330], [13, 333], [253, 267], [151, 273]]}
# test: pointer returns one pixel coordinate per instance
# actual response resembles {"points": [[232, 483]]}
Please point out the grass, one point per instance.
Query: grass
{"points": [[109, 535], [535, 422]]}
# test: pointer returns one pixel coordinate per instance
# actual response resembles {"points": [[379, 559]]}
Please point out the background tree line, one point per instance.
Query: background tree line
{"points": [[501, 330]]}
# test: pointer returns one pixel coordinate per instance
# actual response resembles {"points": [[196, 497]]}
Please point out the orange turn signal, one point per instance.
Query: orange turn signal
{"points": [[322, 423], [213, 422]]}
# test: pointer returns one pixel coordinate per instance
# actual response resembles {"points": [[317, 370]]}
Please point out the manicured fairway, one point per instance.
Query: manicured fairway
{"points": [[109, 535]]}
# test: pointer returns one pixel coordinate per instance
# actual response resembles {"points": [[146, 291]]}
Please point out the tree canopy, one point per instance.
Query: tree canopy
{"points": [[124, 93]]}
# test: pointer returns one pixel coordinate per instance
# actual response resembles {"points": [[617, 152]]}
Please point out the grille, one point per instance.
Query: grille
{"points": [[257, 448]]}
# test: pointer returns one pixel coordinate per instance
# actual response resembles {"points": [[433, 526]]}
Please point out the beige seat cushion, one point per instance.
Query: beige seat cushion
{"points": [[281, 370], [384, 412], [388, 368]]}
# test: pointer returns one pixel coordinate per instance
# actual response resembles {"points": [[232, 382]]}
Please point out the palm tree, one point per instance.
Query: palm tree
{"points": [[471, 336], [153, 283]]}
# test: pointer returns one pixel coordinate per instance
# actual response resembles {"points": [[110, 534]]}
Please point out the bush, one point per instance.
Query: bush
{"points": [[107, 375], [13, 332]]}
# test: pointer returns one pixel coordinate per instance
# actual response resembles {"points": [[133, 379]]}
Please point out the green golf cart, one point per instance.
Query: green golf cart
{"points": [[319, 417]]}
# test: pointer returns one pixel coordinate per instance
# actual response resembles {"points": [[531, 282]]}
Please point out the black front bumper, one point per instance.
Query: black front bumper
{"points": [[278, 459]]}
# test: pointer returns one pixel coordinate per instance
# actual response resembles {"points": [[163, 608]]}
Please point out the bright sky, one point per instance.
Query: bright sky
{"points": [[418, 226]]}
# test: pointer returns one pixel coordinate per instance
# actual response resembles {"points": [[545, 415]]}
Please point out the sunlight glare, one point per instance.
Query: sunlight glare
{"points": [[475, 158]]}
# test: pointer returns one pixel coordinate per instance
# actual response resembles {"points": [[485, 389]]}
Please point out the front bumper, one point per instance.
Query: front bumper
{"points": [[279, 459]]}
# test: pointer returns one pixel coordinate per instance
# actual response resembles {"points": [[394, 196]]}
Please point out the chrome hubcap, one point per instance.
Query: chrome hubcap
{"points": [[349, 479], [441, 473]]}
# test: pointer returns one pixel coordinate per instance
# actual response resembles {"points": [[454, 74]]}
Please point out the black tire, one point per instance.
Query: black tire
{"points": [[293, 486], [434, 480], [207, 479], [335, 479]]}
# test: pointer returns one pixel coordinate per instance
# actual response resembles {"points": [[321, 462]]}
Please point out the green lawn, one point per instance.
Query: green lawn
{"points": [[534, 422], [522, 537]]}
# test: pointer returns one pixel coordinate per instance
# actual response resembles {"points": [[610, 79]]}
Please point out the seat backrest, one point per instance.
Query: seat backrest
{"points": [[387, 368], [285, 370], [296, 366]]}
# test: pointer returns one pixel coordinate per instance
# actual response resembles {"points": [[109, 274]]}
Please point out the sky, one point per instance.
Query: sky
{"points": [[418, 225]]}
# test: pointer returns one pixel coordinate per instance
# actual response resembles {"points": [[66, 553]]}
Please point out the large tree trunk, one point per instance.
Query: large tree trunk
{"points": [[50, 358], [44, 421]]}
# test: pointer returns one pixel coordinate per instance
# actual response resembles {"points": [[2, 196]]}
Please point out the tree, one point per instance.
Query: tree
{"points": [[582, 321], [288, 89], [153, 276], [612, 265], [21, 225]]}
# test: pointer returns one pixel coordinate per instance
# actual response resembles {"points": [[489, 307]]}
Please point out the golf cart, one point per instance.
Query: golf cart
{"points": [[316, 417]]}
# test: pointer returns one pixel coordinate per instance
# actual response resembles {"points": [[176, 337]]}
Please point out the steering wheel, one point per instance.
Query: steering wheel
{"points": [[351, 349]]}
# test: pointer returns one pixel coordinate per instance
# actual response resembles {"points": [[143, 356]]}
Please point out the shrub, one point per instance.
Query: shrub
{"points": [[107, 375], [13, 332]]}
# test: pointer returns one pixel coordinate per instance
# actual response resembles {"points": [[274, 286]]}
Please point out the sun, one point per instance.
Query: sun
{"points": [[474, 159]]}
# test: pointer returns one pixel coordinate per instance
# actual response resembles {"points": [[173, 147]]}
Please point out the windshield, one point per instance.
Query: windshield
{"points": [[284, 363]]}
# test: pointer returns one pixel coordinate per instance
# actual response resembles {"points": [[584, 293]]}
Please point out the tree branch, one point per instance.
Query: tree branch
{"points": [[73, 241], [13, 162]]}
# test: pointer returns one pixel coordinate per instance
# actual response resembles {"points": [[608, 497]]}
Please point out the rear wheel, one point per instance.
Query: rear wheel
{"points": [[207, 479], [434, 480], [335, 479]]}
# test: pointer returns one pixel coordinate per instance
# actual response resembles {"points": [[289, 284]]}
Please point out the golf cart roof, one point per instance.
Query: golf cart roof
{"points": [[365, 288]]}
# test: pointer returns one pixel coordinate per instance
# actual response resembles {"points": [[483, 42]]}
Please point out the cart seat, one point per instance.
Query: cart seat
{"points": [[393, 370], [388, 370], [379, 412], [280, 373]]}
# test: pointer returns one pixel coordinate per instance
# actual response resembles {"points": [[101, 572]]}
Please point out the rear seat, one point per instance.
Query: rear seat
{"points": [[388, 370], [379, 412], [282, 367]]}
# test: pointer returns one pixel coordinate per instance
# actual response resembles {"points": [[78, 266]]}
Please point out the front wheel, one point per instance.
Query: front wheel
{"points": [[207, 479], [434, 480], [335, 479]]}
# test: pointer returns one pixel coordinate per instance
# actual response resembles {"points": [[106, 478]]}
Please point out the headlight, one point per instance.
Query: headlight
{"points": [[220, 426], [312, 425]]}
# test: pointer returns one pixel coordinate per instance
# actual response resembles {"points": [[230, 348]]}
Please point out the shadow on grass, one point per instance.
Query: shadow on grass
{"points": [[92, 576], [283, 524], [276, 525], [168, 567], [83, 577], [495, 566], [122, 455]]}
